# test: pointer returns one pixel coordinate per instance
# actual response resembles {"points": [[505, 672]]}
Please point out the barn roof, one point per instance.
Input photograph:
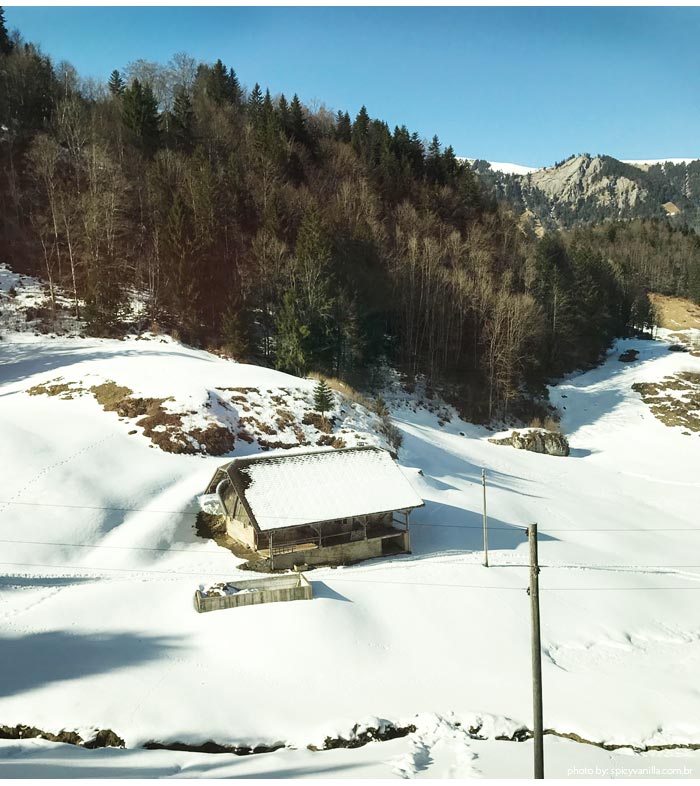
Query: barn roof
{"points": [[294, 489]]}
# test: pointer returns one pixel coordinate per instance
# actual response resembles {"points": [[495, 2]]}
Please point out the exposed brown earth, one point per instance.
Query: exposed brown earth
{"points": [[675, 313], [675, 401]]}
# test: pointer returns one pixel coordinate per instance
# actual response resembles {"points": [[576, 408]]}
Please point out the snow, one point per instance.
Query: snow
{"points": [[506, 168], [224, 589], [645, 163], [100, 562], [519, 169], [436, 750], [304, 488], [512, 169]]}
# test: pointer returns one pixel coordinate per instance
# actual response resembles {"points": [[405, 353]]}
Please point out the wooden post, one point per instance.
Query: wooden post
{"points": [[272, 558], [534, 592], [486, 536], [408, 531]]}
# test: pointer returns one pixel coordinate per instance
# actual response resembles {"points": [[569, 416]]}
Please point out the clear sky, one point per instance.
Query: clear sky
{"points": [[527, 85]]}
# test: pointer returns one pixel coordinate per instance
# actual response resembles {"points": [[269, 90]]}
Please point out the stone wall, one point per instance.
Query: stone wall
{"points": [[341, 554]]}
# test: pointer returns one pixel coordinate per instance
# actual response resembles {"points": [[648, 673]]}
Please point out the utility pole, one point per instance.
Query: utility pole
{"points": [[486, 537], [534, 593]]}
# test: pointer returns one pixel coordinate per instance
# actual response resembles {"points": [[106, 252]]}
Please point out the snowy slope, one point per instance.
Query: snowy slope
{"points": [[440, 751], [101, 562], [646, 163], [506, 168], [512, 169]]}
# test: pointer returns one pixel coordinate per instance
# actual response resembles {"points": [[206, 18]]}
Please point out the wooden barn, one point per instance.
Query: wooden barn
{"points": [[322, 507]]}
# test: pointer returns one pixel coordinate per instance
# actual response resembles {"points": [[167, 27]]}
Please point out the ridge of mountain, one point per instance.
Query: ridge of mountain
{"points": [[587, 189]]}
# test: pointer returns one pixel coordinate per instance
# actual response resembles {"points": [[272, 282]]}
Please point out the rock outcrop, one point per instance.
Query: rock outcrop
{"points": [[537, 441]]}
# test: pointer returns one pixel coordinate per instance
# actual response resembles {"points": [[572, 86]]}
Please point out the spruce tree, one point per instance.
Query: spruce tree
{"points": [[140, 115], [360, 130], [183, 119], [283, 114], [5, 43], [323, 397], [434, 162], [297, 121], [218, 83], [268, 125], [222, 85], [116, 83], [234, 87], [255, 102], [291, 334], [268, 109], [343, 127]]}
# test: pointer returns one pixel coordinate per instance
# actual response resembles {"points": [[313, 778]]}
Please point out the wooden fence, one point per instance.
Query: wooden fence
{"points": [[272, 589]]}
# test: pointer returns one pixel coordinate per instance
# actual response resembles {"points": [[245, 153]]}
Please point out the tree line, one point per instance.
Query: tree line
{"points": [[299, 238]]}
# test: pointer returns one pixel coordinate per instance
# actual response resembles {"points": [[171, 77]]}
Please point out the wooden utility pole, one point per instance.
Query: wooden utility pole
{"points": [[486, 537], [534, 593]]}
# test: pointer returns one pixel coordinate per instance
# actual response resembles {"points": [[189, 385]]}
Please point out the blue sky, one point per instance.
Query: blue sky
{"points": [[529, 85]]}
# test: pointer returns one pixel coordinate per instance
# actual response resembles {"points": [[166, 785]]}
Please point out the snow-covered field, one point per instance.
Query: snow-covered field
{"points": [[100, 562]]}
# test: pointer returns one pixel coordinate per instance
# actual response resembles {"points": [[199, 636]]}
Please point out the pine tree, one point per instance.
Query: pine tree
{"points": [[183, 119], [255, 102], [234, 333], [116, 83], [268, 125], [434, 163], [360, 130], [323, 397], [291, 334], [222, 85], [268, 110], [140, 114], [297, 121], [343, 127], [5, 43], [234, 87], [283, 114]]}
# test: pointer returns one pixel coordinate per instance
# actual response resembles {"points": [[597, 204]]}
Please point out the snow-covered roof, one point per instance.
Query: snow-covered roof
{"points": [[304, 488]]}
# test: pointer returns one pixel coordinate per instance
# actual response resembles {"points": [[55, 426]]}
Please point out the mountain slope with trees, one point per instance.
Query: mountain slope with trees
{"points": [[304, 240], [587, 189]]}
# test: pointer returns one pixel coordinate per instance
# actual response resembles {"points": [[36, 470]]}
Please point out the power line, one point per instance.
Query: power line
{"points": [[623, 529], [226, 553], [109, 546], [613, 567], [97, 507], [509, 528], [88, 570]]}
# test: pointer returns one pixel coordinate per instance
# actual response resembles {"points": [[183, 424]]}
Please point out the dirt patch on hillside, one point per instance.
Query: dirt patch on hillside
{"points": [[675, 313], [675, 400], [165, 429], [57, 387]]}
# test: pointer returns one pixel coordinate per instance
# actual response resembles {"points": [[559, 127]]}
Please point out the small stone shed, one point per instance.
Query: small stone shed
{"points": [[322, 507]]}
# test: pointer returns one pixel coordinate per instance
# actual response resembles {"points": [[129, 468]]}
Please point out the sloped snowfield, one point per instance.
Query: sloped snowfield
{"points": [[100, 562]]}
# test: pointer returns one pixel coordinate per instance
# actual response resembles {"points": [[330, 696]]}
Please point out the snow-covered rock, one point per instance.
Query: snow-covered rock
{"points": [[536, 440]]}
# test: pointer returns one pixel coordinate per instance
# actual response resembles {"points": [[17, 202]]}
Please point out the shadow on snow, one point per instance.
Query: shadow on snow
{"points": [[39, 659]]}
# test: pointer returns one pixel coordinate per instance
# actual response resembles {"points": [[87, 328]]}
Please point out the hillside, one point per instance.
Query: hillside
{"points": [[588, 189], [101, 560]]}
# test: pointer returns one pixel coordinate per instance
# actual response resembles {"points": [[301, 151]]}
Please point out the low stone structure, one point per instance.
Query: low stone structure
{"points": [[273, 589], [537, 441]]}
